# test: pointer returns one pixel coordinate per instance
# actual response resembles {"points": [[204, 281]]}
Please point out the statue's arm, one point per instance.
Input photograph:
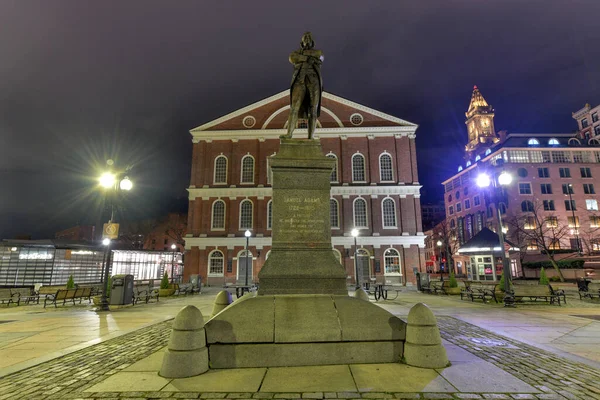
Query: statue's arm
{"points": [[296, 58]]}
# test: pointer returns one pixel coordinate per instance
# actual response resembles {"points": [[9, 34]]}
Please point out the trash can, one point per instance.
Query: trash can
{"points": [[121, 291], [423, 280]]}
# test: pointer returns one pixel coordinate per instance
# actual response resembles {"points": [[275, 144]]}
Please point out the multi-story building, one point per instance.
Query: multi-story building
{"points": [[588, 123], [374, 188], [167, 231], [432, 214], [554, 182]]}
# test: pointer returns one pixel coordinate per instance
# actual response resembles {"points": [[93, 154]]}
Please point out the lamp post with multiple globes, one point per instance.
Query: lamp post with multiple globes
{"points": [[354, 234], [498, 183]]}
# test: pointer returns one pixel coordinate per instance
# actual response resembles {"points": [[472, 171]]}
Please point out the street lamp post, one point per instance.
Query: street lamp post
{"points": [[173, 247], [439, 244], [111, 181], [354, 234], [104, 298], [504, 179], [575, 225], [247, 234]]}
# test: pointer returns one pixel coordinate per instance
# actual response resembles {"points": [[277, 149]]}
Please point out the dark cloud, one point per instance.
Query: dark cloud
{"points": [[81, 82]]}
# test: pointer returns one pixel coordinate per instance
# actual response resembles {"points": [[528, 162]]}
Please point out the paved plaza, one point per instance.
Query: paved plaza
{"points": [[532, 352]]}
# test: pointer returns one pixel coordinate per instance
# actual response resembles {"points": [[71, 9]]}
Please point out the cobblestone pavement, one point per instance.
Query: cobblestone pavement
{"points": [[68, 376]]}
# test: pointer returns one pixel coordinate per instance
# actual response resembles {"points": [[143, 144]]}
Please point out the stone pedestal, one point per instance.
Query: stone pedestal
{"points": [[301, 259]]}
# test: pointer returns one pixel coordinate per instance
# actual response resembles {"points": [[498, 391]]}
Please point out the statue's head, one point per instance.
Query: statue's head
{"points": [[307, 41]]}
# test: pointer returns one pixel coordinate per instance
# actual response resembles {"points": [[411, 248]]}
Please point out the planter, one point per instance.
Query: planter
{"points": [[453, 290], [165, 292]]}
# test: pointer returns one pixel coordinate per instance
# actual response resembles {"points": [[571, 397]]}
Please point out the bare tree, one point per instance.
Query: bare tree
{"points": [[448, 236], [540, 229], [590, 237], [135, 233]]}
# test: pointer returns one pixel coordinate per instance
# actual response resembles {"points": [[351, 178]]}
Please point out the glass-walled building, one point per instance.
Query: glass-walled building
{"points": [[51, 262]]}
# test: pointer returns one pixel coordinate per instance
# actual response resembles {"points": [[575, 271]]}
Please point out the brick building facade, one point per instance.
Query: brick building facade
{"points": [[374, 187]]}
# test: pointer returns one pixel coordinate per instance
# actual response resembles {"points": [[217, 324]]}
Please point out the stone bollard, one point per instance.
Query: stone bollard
{"points": [[222, 300], [361, 294], [186, 354], [423, 347]]}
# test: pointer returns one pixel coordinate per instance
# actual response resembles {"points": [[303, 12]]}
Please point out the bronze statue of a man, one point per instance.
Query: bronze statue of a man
{"points": [[307, 86]]}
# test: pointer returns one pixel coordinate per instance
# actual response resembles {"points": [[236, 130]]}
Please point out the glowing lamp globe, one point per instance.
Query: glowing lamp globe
{"points": [[247, 233], [126, 184], [107, 180], [354, 232], [483, 180], [505, 178], [106, 241]]}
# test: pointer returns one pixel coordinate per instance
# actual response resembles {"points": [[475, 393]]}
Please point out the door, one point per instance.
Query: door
{"points": [[244, 266], [363, 265]]}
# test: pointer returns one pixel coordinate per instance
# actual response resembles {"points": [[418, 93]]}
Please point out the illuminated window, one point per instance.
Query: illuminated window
{"points": [[215, 263], [388, 207], [391, 259], [518, 156], [554, 245], [477, 158], [385, 168], [591, 205], [358, 168], [334, 214], [220, 173], [553, 142], [247, 169], [532, 245], [561, 157], [552, 222], [218, 215], [488, 152], [594, 221], [533, 142], [573, 222], [460, 168], [334, 172], [468, 163], [360, 213], [246, 208]]}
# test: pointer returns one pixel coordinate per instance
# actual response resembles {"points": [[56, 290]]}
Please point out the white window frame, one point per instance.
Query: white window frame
{"points": [[385, 271], [366, 226], [335, 168], [270, 215], [337, 208], [530, 188], [385, 153], [212, 216], [395, 226], [242, 182], [364, 168], [215, 169], [210, 256], [251, 215], [591, 204]]}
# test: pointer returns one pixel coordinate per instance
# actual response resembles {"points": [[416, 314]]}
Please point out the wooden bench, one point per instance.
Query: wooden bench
{"points": [[429, 288], [438, 287], [535, 293], [7, 297], [465, 291], [27, 295], [592, 290], [69, 295], [478, 290], [145, 293]]}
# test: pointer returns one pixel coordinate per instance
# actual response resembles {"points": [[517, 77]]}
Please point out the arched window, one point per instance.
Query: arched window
{"points": [[218, 215], [246, 207], [337, 255], [574, 142], [220, 173], [388, 208], [460, 168], [334, 172], [553, 142], [488, 152], [358, 168], [533, 142], [468, 163], [334, 214], [502, 208], [215, 263], [452, 224], [385, 168], [270, 214], [477, 158], [391, 259], [527, 206], [247, 169], [360, 213]]}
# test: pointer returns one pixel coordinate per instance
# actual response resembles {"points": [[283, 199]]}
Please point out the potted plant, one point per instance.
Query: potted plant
{"points": [[165, 287], [452, 285]]}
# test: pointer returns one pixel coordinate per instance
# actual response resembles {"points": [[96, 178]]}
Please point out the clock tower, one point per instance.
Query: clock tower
{"points": [[480, 125]]}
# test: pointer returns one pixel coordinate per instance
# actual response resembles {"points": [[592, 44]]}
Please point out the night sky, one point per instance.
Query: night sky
{"points": [[84, 81]]}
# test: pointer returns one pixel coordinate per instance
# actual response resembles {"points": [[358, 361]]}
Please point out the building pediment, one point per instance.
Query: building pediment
{"points": [[271, 114]]}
